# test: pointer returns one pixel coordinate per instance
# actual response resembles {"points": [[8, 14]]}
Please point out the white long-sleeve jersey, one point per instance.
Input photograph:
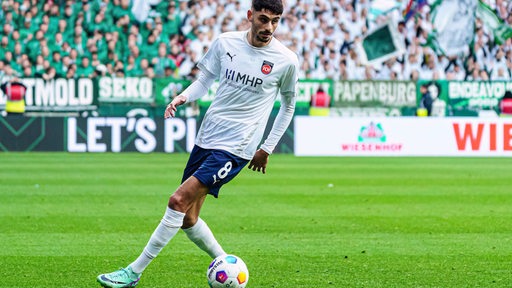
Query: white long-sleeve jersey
{"points": [[250, 79]]}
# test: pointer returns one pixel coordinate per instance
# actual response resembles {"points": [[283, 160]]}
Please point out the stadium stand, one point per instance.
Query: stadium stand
{"points": [[156, 38]]}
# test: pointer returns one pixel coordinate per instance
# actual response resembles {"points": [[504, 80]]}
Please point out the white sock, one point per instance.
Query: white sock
{"points": [[168, 227], [203, 237]]}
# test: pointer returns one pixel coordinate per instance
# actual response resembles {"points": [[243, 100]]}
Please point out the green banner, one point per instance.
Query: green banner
{"points": [[374, 98], [84, 94], [125, 90], [58, 95], [462, 98], [167, 88]]}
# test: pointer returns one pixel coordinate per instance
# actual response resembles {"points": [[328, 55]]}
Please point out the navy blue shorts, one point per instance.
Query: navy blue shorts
{"points": [[213, 168]]}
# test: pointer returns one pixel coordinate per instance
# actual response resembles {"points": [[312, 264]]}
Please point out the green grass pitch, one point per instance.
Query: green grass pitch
{"points": [[309, 222]]}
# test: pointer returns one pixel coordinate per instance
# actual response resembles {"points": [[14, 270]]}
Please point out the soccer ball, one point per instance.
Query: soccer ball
{"points": [[227, 271]]}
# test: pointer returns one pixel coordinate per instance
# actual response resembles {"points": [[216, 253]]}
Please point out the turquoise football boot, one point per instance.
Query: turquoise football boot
{"points": [[123, 277]]}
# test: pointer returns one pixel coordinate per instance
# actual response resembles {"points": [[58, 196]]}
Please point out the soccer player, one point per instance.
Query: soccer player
{"points": [[252, 68]]}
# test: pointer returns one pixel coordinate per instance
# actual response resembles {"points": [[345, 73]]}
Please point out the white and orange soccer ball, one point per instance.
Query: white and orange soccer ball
{"points": [[227, 271]]}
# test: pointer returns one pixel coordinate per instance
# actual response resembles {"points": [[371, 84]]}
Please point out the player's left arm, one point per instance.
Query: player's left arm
{"points": [[284, 117], [209, 66], [281, 123]]}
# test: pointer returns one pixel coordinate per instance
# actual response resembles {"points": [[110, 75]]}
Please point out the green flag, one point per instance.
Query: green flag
{"points": [[381, 44], [499, 28], [453, 23]]}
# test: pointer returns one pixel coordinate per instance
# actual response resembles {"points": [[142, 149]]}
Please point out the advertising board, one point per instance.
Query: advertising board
{"points": [[402, 136]]}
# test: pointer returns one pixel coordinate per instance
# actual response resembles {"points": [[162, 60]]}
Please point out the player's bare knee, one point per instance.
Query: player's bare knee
{"points": [[177, 202]]}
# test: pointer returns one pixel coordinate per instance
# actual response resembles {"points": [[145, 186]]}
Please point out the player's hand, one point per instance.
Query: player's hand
{"points": [[259, 161], [170, 110]]}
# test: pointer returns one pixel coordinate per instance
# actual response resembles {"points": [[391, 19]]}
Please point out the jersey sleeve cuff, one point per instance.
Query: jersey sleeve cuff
{"points": [[266, 149]]}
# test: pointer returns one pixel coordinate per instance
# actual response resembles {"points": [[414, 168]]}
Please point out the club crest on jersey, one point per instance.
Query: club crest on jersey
{"points": [[266, 67]]}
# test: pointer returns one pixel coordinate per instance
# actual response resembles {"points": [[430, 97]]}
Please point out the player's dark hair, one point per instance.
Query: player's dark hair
{"points": [[274, 6]]}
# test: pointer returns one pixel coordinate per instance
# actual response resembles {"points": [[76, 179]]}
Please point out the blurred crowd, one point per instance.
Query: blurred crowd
{"points": [[152, 38]]}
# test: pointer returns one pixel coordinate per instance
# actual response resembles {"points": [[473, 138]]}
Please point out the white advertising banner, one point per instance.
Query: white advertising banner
{"points": [[402, 136]]}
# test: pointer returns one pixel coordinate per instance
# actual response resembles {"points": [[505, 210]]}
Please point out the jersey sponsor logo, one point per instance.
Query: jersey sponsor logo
{"points": [[243, 78], [266, 67], [230, 56]]}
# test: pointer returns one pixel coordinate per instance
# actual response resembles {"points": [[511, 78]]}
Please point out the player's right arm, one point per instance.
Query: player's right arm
{"points": [[196, 90], [210, 71], [170, 110]]}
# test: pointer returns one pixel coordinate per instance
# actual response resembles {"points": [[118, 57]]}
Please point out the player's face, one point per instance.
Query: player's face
{"points": [[264, 23]]}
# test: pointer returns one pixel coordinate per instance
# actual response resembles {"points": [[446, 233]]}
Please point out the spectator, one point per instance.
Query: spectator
{"points": [[119, 65], [84, 70], [95, 61], [169, 72], [71, 72], [119, 73], [27, 30], [456, 74], [162, 61], [56, 62], [501, 74], [132, 69], [498, 63], [4, 45], [18, 51], [49, 74], [320, 99], [430, 70], [173, 23], [150, 48], [188, 63], [27, 72], [73, 55], [39, 67], [66, 63]]}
